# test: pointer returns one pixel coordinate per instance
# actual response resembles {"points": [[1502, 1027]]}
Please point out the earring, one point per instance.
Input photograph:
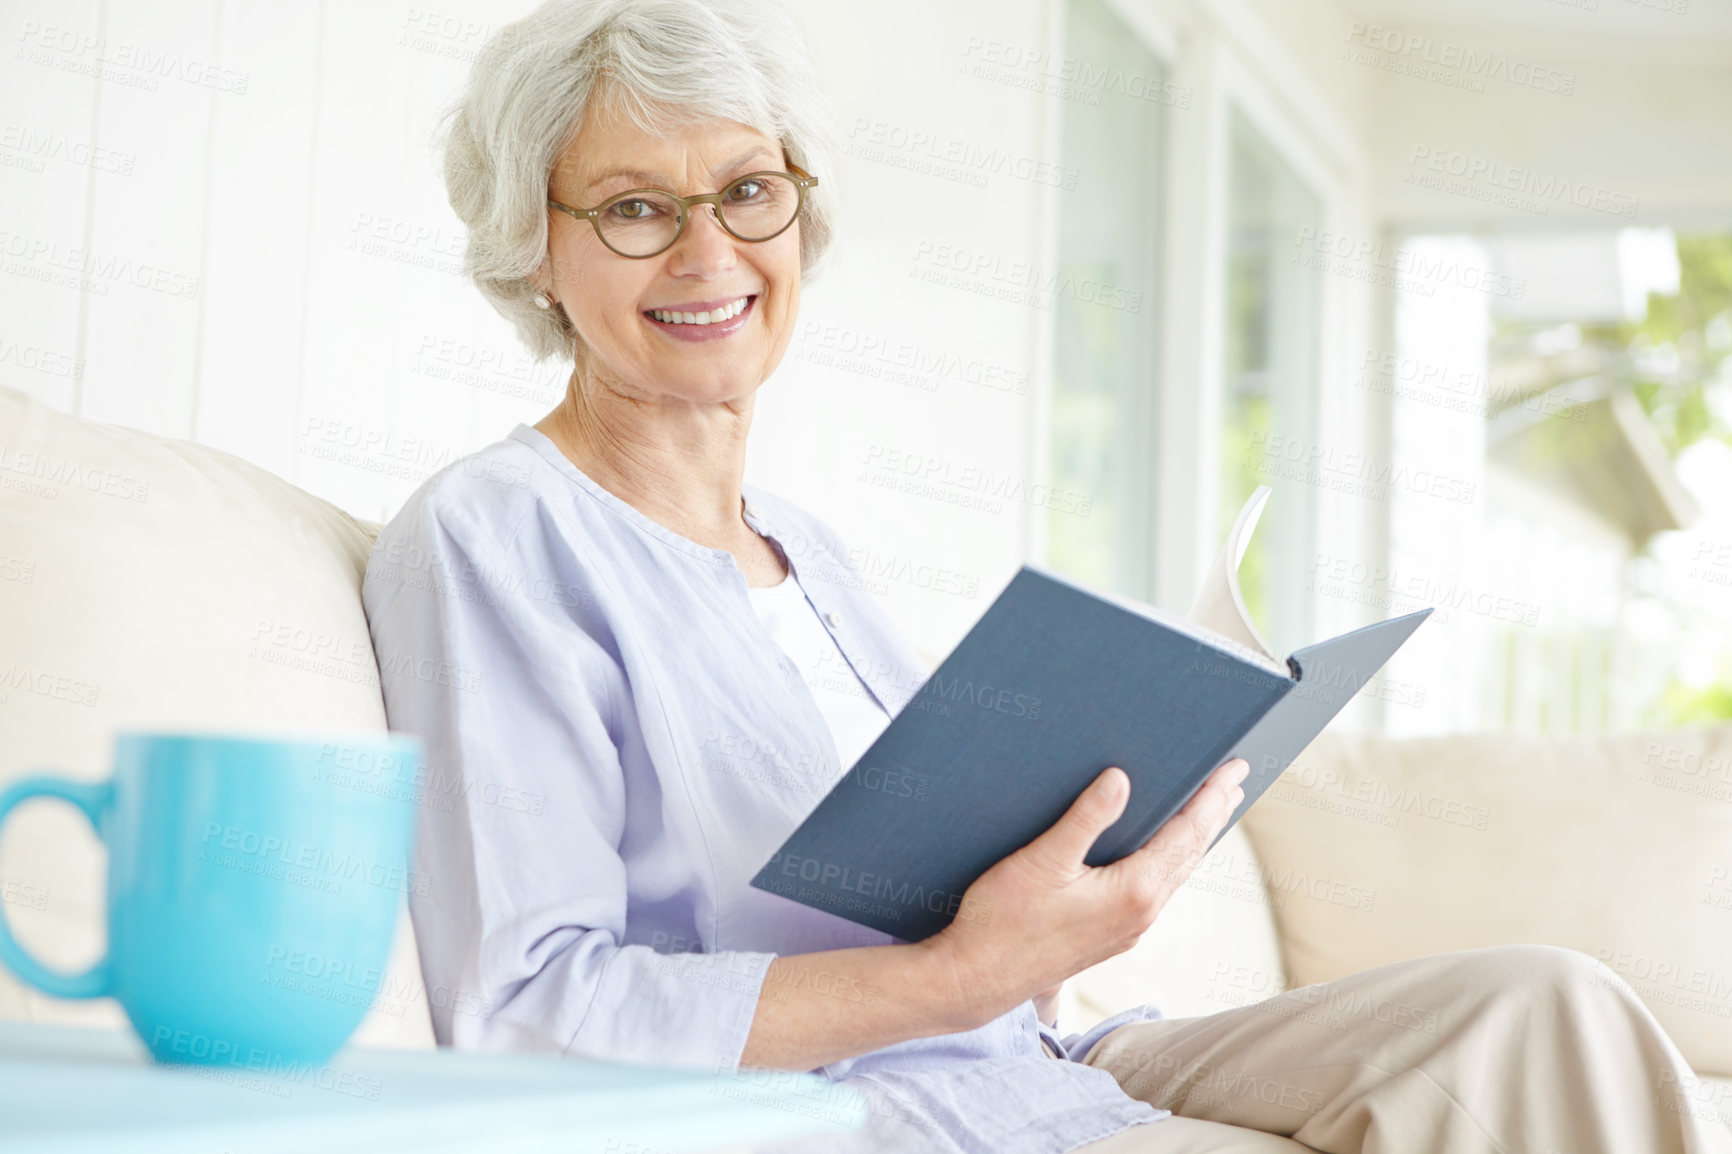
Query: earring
{"points": [[541, 301]]}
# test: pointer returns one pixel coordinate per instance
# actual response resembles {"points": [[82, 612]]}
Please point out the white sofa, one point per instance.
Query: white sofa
{"points": [[146, 582]]}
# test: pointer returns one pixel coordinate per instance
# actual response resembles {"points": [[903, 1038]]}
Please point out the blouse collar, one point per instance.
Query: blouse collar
{"points": [[751, 497]]}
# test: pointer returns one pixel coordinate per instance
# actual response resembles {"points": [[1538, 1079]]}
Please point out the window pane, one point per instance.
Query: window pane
{"points": [[1106, 341], [1584, 587], [1269, 381]]}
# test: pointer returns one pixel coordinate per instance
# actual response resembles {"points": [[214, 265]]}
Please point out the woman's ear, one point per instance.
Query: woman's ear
{"points": [[541, 285], [541, 280]]}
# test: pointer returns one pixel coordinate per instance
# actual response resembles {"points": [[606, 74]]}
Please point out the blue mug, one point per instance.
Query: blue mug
{"points": [[253, 889]]}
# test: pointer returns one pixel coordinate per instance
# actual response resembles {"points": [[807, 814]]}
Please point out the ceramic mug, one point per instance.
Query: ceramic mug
{"points": [[253, 889]]}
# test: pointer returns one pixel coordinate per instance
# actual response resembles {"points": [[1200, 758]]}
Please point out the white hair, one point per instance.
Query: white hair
{"points": [[658, 61]]}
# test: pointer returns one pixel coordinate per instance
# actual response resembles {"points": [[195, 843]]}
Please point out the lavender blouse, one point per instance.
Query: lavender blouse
{"points": [[615, 744]]}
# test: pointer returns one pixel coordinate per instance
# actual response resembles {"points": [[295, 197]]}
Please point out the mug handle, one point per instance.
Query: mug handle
{"points": [[93, 800]]}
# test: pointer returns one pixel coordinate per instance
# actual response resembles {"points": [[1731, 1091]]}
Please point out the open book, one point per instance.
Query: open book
{"points": [[1054, 683]]}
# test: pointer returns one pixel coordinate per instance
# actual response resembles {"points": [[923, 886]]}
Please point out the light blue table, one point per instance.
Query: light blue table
{"points": [[82, 1091]]}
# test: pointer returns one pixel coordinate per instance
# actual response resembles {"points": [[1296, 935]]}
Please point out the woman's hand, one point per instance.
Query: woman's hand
{"points": [[1026, 925], [1041, 915]]}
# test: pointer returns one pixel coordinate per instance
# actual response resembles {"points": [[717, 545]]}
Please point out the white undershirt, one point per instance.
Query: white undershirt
{"points": [[855, 717]]}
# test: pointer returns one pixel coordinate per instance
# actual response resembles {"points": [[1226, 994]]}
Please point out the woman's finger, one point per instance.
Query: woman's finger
{"points": [[1176, 848]]}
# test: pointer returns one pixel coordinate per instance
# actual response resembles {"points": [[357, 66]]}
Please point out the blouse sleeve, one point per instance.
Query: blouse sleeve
{"points": [[520, 902]]}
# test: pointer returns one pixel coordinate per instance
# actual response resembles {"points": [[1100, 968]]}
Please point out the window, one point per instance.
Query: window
{"points": [[1269, 380], [1584, 587], [1106, 339]]}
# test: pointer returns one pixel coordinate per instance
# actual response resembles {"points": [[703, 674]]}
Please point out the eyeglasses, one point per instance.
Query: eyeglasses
{"points": [[645, 222]]}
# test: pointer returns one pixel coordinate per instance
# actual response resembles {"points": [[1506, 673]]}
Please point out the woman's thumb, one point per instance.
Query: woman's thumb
{"points": [[1068, 841]]}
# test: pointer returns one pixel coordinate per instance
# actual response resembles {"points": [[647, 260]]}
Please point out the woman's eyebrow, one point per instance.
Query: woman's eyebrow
{"points": [[639, 177], [643, 179], [739, 162]]}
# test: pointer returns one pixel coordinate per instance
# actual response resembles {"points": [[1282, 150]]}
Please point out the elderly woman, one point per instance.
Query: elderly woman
{"points": [[614, 642]]}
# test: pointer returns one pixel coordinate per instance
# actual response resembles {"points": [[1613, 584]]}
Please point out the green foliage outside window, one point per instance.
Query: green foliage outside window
{"points": [[1680, 349], [1680, 354]]}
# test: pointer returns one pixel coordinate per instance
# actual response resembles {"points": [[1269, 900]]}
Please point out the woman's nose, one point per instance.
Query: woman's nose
{"points": [[704, 245]]}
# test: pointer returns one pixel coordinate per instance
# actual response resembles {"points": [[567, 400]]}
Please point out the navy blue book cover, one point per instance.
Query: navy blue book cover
{"points": [[1052, 685]]}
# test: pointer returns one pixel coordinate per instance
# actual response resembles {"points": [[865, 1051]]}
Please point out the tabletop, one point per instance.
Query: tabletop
{"points": [[65, 1089]]}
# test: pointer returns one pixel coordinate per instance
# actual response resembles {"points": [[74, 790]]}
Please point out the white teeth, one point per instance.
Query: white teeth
{"points": [[715, 316]]}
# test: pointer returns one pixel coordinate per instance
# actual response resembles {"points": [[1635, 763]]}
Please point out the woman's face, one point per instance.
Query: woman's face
{"points": [[610, 298]]}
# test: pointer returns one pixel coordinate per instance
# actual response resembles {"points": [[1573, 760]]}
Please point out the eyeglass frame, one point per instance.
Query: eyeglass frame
{"points": [[802, 181]]}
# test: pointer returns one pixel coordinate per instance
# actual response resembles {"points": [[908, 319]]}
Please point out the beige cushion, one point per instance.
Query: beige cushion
{"points": [[1212, 948], [1619, 847], [148, 582]]}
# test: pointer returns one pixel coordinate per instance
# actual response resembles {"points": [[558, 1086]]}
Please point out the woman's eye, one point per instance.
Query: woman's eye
{"points": [[745, 190], [633, 210]]}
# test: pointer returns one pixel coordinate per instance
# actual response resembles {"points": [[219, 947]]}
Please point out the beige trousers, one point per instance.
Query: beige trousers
{"points": [[1513, 1050]]}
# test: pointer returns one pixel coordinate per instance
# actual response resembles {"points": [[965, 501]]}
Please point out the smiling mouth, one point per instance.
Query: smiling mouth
{"points": [[715, 316]]}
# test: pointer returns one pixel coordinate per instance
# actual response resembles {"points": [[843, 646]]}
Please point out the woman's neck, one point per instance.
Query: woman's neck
{"points": [[679, 464]]}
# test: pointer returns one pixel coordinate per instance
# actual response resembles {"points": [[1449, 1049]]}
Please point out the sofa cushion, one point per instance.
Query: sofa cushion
{"points": [[154, 583], [1212, 948], [1620, 847]]}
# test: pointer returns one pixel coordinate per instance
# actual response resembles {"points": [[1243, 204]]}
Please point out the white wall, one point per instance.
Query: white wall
{"points": [[307, 313], [840, 414]]}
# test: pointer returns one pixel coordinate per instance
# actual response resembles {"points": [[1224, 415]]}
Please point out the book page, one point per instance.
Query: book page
{"points": [[1220, 605]]}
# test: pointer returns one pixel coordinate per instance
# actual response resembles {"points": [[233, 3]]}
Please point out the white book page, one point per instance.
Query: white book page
{"points": [[1220, 605]]}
